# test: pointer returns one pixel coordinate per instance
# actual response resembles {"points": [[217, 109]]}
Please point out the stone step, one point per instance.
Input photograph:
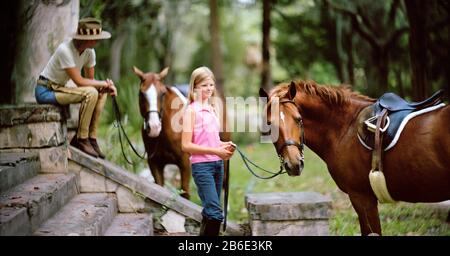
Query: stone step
{"points": [[16, 168], [33, 135], [14, 221], [52, 159], [88, 214], [164, 233], [32, 126], [131, 224], [11, 115], [25, 207]]}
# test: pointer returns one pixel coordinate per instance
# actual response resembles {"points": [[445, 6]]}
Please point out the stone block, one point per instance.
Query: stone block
{"points": [[33, 135], [131, 224], [14, 221], [288, 214], [16, 168], [87, 214], [290, 228], [173, 222], [41, 196], [72, 121], [11, 115], [92, 182], [128, 201], [53, 159]]}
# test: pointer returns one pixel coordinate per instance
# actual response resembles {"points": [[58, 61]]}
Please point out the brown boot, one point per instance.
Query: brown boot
{"points": [[203, 226], [96, 148], [213, 228], [210, 227], [85, 146], [73, 141]]}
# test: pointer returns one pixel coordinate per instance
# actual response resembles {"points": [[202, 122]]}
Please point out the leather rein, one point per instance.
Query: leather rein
{"points": [[287, 143]]}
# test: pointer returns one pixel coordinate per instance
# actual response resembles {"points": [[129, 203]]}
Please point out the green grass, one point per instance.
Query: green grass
{"points": [[396, 219]]}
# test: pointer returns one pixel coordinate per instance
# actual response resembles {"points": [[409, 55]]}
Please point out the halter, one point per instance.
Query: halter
{"points": [[160, 113], [291, 142], [288, 142]]}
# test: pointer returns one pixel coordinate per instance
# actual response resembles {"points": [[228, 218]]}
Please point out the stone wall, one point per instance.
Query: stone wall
{"points": [[288, 214], [37, 129]]}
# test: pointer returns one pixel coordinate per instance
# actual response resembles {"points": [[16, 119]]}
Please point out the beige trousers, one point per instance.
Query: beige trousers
{"points": [[92, 103]]}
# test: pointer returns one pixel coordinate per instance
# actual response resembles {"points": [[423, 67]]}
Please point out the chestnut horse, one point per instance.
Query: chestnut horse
{"points": [[162, 108], [417, 169]]}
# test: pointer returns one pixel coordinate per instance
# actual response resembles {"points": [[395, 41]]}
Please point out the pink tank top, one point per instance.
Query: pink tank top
{"points": [[205, 133]]}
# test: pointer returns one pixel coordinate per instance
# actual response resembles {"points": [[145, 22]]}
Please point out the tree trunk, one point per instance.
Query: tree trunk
{"points": [[398, 76], [417, 15], [383, 69], [266, 73], [447, 74], [10, 30], [378, 71], [43, 26], [116, 54], [336, 34], [350, 66], [216, 53]]}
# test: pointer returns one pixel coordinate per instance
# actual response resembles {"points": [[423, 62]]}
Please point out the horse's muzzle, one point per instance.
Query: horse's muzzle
{"points": [[294, 169], [152, 130], [153, 133]]}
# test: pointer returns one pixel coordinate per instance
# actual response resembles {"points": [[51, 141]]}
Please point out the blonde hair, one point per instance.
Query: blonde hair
{"points": [[199, 75]]}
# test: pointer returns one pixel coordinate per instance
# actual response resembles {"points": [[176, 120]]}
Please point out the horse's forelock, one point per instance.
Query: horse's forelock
{"points": [[152, 79]]}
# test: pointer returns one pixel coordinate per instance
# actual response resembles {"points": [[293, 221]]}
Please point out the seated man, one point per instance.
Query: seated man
{"points": [[66, 63]]}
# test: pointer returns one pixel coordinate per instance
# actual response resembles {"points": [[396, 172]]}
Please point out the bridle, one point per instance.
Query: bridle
{"points": [[291, 142], [287, 143], [160, 113]]}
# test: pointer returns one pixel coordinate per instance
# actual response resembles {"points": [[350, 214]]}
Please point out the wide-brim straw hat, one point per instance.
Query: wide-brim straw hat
{"points": [[91, 29]]}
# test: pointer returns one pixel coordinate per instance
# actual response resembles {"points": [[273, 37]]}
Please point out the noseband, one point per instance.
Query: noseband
{"points": [[287, 143], [160, 112], [291, 142]]}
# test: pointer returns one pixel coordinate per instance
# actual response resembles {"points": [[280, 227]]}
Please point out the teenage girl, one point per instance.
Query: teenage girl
{"points": [[200, 138]]}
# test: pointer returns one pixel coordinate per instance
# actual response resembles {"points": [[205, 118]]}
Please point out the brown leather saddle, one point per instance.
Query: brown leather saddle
{"points": [[377, 126], [396, 109]]}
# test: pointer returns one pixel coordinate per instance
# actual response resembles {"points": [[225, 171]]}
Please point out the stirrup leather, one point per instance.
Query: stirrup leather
{"points": [[376, 176]]}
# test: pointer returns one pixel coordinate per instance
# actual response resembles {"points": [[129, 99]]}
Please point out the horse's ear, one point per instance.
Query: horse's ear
{"points": [[139, 73], [292, 90], [263, 93], [164, 73]]}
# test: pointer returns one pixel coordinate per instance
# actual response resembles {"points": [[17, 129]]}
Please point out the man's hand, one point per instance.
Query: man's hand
{"points": [[111, 88]]}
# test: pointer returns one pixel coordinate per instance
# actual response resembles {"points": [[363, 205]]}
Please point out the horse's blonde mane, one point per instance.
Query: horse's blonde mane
{"points": [[332, 95]]}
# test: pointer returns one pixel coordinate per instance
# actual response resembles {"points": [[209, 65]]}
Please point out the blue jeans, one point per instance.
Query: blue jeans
{"points": [[44, 95], [208, 177]]}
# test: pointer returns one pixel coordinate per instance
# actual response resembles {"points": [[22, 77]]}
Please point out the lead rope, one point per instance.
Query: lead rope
{"points": [[119, 125], [247, 161]]}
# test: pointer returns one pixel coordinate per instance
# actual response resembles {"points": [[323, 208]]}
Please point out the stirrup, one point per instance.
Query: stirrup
{"points": [[372, 127]]}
